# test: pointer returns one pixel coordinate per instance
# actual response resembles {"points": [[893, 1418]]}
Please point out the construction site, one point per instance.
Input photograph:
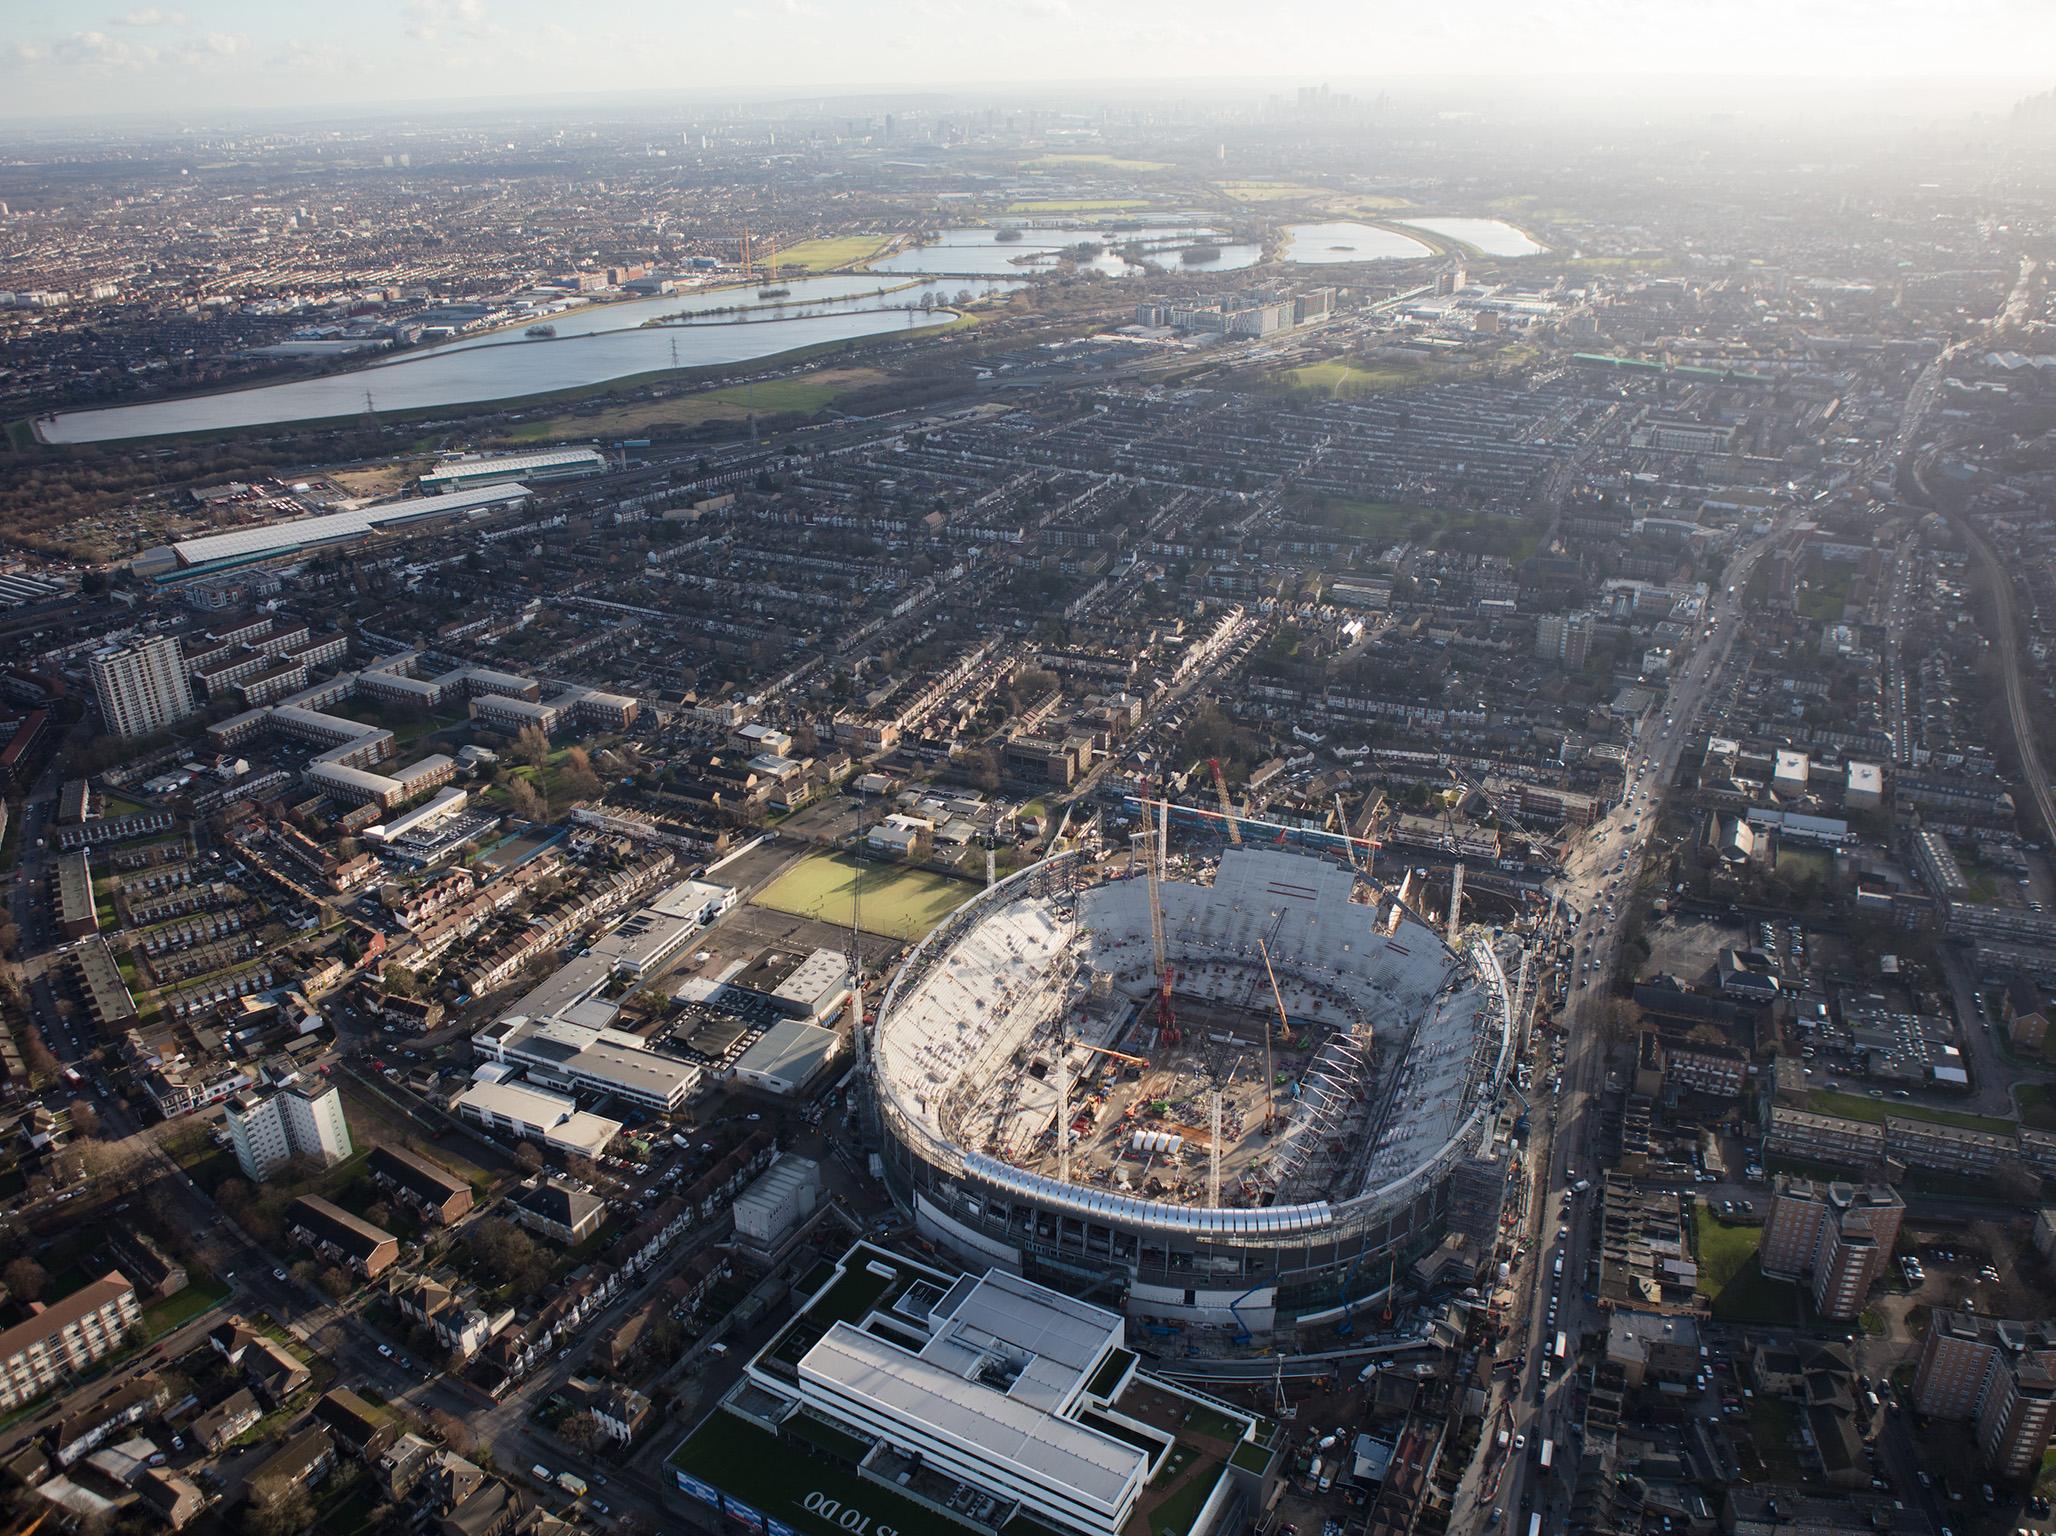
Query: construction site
{"points": [[1223, 1081]]}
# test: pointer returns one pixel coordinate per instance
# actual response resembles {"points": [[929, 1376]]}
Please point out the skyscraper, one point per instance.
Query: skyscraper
{"points": [[142, 687]]}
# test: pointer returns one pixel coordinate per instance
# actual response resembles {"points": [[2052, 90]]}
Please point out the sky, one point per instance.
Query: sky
{"points": [[71, 57]]}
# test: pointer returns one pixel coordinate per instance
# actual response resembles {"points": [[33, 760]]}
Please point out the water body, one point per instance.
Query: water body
{"points": [[1234, 255], [979, 250], [1322, 244], [1495, 237], [839, 292], [465, 375]]}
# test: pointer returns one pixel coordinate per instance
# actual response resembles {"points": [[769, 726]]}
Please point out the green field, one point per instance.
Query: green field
{"points": [[1103, 162], [802, 395], [899, 903], [1800, 863], [1272, 191], [1730, 1279], [1853, 1106], [1339, 378], [2037, 1103], [836, 251]]}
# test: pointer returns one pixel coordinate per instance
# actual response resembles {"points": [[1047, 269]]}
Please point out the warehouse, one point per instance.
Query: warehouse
{"points": [[270, 540], [788, 1059], [459, 475]]}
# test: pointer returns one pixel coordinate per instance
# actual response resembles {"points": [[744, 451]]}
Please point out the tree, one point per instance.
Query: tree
{"points": [[85, 1119], [529, 1157], [577, 778], [37, 1058], [581, 1431], [526, 801], [531, 746], [335, 1282], [25, 1279], [307, 1273], [279, 1511], [452, 1431]]}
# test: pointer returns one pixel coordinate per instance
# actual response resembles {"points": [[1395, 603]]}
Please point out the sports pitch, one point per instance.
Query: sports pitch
{"points": [[898, 903]]}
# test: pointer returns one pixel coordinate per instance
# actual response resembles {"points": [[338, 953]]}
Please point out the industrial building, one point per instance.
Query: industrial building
{"points": [[1241, 1211], [482, 469], [982, 1385], [270, 541], [788, 1059]]}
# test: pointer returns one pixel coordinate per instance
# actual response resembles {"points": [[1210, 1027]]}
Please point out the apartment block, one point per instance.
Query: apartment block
{"points": [[142, 687], [1834, 1237], [65, 1337], [2000, 1376], [270, 1129]]}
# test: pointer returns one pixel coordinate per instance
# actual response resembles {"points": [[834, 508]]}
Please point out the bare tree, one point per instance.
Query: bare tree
{"points": [[25, 1279]]}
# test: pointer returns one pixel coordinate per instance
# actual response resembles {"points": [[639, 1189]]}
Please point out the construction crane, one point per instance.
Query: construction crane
{"points": [[1285, 1024], [1348, 837], [1227, 805], [1159, 837], [1104, 1050]]}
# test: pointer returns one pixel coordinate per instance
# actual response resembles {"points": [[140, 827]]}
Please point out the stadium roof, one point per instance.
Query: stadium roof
{"points": [[308, 532]]}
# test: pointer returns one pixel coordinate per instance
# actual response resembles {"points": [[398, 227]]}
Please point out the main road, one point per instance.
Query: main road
{"points": [[1599, 877]]}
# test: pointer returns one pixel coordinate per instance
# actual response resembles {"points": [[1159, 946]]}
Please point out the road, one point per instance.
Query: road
{"points": [[1599, 876], [2018, 704]]}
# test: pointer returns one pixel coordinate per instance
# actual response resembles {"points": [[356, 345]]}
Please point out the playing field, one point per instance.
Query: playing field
{"points": [[826, 254], [899, 903]]}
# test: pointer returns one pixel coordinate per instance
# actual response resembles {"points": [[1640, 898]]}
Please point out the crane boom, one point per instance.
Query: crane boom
{"points": [[1227, 805], [1156, 839], [1107, 1050], [1270, 1072]]}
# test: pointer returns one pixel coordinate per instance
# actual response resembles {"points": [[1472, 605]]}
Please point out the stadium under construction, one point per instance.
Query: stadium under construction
{"points": [[1230, 1097]]}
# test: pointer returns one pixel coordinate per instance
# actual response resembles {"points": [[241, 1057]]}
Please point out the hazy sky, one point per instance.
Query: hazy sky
{"points": [[68, 56]]}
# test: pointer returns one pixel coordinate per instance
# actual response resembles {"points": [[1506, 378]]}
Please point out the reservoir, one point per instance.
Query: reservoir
{"points": [[506, 365], [1494, 237], [1319, 244], [980, 251]]}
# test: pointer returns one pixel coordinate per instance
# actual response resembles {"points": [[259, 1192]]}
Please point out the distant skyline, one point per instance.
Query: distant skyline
{"points": [[208, 57]]}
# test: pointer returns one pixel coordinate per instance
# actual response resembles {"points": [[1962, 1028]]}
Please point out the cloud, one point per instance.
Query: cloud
{"points": [[150, 16], [430, 20]]}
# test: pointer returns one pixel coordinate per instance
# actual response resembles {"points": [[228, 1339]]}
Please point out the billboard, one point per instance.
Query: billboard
{"points": [[706, 1493]]}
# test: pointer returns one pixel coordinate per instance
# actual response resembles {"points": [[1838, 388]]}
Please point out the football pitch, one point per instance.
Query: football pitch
{"points": [[898, 903]]}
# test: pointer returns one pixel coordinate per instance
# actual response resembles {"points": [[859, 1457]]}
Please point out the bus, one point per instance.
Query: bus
{"points": [[1535, 1524], [1563, 1346], [1548, 1456]]}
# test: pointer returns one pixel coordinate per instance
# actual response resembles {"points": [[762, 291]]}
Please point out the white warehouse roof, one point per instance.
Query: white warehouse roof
{"points": [[307, 532]]}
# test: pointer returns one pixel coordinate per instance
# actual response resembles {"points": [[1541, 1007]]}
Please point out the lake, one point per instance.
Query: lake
{"points": [[507, 365], [1494, 237], [1319, 244]]}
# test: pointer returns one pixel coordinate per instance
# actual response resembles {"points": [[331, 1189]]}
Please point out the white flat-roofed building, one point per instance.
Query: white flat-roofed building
{"points": [[1864, 788], [1788, 779], [987, 1397], [273, 539], [423, 817], [556, 464], [549, 1118], [557, 1052]]}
